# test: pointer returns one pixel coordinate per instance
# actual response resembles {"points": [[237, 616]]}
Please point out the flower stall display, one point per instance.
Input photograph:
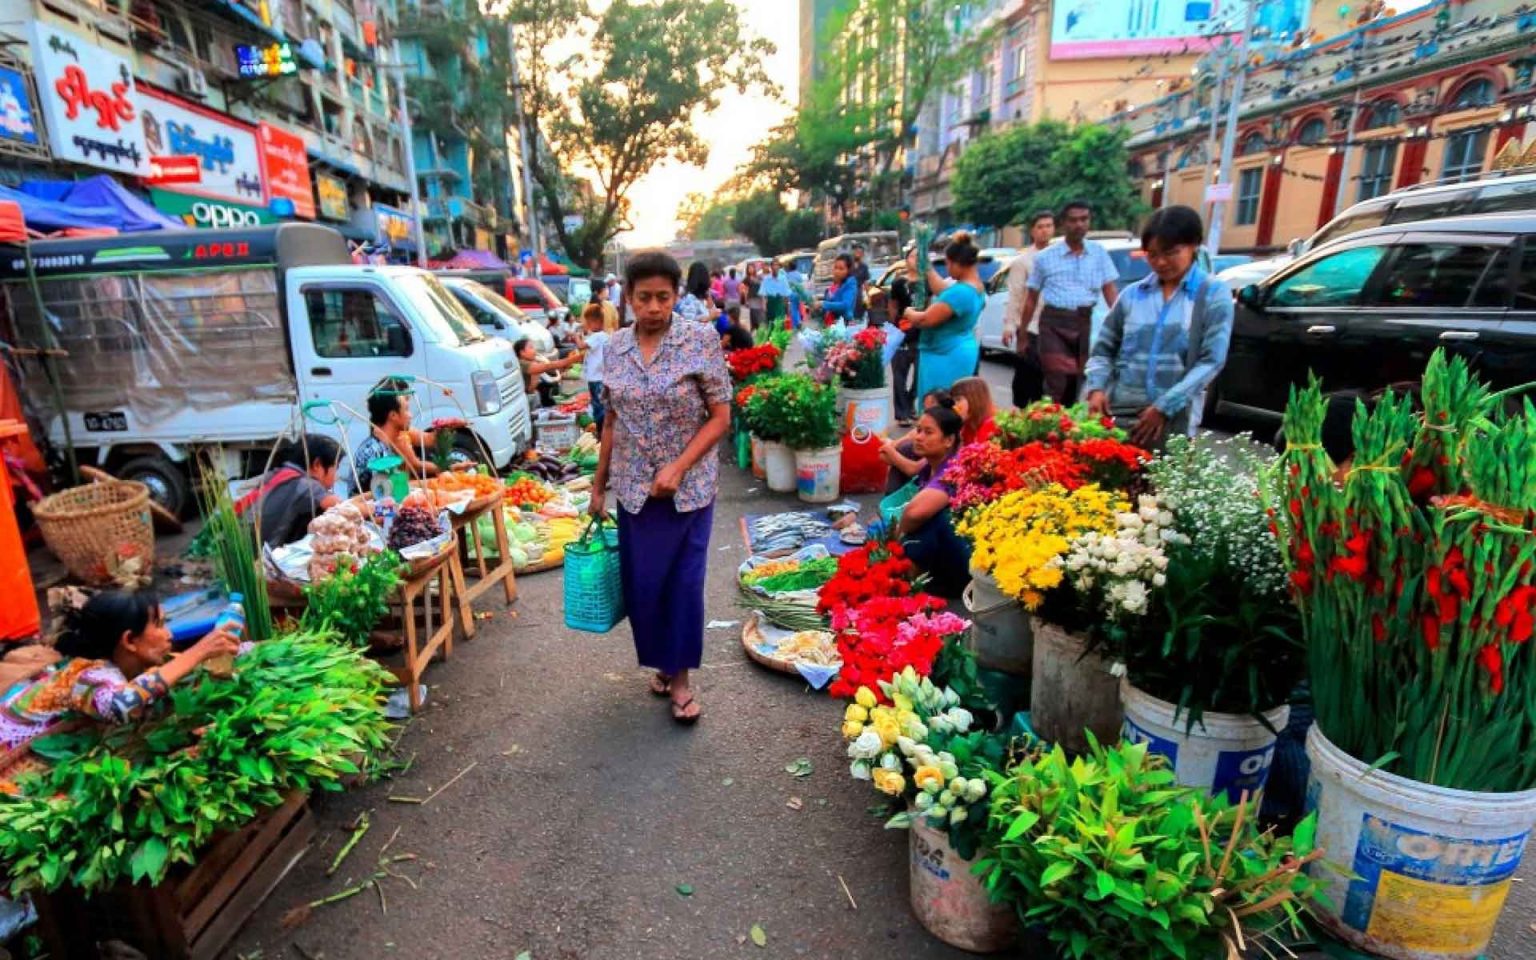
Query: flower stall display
{"points": [[1414, 568], [888, 634], [127, 804], [1106, 856], [1049, 422], [1018, 537], [879, 568], [984, 472], [858, 361]]}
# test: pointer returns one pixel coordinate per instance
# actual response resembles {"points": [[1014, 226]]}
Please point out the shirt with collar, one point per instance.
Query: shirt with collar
{"points": [[1141, 355], [659, 406], [1019, 272], [1068, 280]]}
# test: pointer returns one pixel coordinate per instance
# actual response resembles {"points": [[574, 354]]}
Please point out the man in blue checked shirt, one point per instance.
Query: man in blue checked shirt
{"points": [[1068, 277], [1166, 338]]}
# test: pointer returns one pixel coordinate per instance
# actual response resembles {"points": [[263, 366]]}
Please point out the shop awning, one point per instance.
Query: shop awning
{"points": [[98, 202]]}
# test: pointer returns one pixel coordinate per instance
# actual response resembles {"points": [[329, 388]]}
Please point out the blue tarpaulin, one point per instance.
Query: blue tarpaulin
{"points": [[98, 202]]}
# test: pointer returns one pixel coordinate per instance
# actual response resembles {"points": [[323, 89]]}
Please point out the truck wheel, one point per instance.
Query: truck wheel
{"points": [[166, 482], [466, 450]]}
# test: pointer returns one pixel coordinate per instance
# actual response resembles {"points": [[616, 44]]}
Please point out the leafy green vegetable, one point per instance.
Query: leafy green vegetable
{"points": [[126, 803], [350, 603], [808, 576]]}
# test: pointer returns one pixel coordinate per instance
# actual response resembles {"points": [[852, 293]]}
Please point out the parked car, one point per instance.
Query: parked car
{"points": [[533, 297], [573, 292], [1494, 193], [497, 316], [1223, 262], [993, 259], [1366, 311], [802, 260], [1129, 260], [1253, 271]]}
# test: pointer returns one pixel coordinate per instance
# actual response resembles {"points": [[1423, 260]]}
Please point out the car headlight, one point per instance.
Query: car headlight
{"points": [[487, 394]]}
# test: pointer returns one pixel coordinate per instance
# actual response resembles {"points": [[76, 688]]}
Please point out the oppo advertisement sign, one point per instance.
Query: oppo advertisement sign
{"points": [[216, 214]]}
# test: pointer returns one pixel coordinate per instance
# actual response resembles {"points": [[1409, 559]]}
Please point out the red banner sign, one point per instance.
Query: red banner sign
{"points": [[175, 169], [285, 167]]}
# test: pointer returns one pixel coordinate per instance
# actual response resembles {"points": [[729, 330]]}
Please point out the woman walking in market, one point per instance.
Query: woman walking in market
{"points": [[1165, 339], [947, 349], [667, 396]]}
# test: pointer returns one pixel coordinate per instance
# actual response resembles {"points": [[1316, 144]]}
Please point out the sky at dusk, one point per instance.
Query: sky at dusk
{"points": [[740, 122]]}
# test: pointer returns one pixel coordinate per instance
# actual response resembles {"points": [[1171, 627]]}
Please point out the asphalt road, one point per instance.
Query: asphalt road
{"points": [[579, 808]]}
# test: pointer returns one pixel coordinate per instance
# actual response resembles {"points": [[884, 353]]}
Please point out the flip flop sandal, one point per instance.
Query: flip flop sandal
{"points": [[661, 689], [679, 717]]}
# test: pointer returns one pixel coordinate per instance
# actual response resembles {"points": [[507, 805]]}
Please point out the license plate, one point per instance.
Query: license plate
{"points": [[112, 421]]}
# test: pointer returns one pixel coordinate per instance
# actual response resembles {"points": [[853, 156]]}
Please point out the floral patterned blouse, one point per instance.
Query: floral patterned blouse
{"points": [[91, 688], [660, 407]]}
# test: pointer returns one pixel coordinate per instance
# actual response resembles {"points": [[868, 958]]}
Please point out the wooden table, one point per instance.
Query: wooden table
{"points": [[486, 575]]}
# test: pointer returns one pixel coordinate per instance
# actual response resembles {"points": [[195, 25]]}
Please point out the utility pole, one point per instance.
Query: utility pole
{"points": [[1229, 139], [526, 147], [410, 160], [1339, 200], [1211, 141]]}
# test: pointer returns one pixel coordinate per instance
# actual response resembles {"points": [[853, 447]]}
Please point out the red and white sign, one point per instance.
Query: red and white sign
{"points": [[224, 147], [175, 169], [1218, 193], [89, 100], [285, 166]]}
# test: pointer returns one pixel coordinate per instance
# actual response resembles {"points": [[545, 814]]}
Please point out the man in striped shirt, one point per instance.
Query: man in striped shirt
{"points": [[1068, 279]]}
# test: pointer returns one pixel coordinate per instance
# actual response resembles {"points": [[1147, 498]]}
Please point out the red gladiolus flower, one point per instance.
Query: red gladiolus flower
{"points": [[1378, 629], [1302, 580], [1295, 508], [1491, 658], [1431, 626], [1422, 483], [1304, 554]]}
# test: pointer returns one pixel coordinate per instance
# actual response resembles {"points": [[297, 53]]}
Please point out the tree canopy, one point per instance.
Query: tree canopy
{"points": [[1003, 177], [625, 102]]}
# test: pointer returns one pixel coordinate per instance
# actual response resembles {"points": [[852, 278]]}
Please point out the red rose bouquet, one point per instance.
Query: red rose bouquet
{"points": [[885, 636], [752, 361], [876, 570]]}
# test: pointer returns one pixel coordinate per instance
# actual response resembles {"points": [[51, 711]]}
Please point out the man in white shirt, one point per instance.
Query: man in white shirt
{"points": [[1027, 383]]}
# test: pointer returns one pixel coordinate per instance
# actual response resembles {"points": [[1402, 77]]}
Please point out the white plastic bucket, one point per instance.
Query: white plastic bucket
{"points": [[1000, 635], [819, 474], [1433, 865], [1224, 752], [1070, 693], [779, 467], [950, 901], [866, 409], [759, 458]]}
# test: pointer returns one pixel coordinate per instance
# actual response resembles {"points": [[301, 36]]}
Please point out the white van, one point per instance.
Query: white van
{"points": [[178, 342]]}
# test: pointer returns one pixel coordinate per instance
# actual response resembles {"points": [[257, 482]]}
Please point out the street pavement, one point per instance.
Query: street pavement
{"points": [[572, 809]]}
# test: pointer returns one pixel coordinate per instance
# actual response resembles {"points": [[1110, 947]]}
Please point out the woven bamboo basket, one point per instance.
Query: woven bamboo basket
{"points": [[96, 528]]}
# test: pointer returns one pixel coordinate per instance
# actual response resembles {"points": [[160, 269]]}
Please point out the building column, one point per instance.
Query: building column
{"points": [[1506, 133], [1333, 182], [1411, 166], [1269, 201]]}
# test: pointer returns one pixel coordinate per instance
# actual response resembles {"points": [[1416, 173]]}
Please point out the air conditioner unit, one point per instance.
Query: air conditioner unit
{"points": [[191, 82]]}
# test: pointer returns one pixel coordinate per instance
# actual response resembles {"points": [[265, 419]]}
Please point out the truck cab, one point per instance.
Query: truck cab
{"points": [[175, 343]]}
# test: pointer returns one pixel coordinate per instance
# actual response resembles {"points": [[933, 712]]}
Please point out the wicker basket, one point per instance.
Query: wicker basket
{"points": [[96, 528]]}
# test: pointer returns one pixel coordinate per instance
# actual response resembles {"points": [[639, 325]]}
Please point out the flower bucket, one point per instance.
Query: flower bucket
{"points": [[779, 467], [950, 901], [759, 458], [1433, 865], [1000, 635], [866, 409], [1070, 692], [1224, 752], [819, 474]]}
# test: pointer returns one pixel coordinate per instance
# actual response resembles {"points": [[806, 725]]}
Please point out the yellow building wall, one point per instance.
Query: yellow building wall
{"points": [[1300, 194]]}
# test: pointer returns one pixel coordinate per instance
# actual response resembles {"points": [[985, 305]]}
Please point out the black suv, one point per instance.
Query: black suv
{"points": [[1365, 312]]}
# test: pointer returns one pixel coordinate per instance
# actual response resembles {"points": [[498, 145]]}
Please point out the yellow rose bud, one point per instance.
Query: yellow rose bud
{"points": [[865, 698], [852, 729], [889, 782], [927, 777], [855, 712]]}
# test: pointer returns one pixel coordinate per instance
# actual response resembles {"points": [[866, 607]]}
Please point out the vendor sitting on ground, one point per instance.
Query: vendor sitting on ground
{"points": [[926, 527], [736, 336], [528, 358], [389, 411], [901, 455], [291, 494], [118, 663]]}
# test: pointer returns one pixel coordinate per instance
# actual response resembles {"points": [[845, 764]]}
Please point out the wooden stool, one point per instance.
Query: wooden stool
{"points": [[418, 586]]}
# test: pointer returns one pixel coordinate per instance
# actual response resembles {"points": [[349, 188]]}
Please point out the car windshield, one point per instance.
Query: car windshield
{"points": [[498, 302], [1130, 264], [441, 309], [545, 292]]}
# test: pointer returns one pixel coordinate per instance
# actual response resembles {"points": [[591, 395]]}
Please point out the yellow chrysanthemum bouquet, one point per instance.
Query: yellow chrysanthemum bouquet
{"points": [[1018, 537]]}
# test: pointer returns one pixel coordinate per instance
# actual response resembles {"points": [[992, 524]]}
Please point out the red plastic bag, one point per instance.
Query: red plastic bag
{"points": [[863, 470]]}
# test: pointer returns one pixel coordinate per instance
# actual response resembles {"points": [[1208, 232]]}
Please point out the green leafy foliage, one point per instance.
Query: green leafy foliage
{"points": [[795, 410], [756, 217], [1111, 858], [999, 175], [126, 803], [350, 603]]}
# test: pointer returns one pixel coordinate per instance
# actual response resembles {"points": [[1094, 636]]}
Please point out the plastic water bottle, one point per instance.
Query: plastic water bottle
{"points": [[384, 510], [233, 617]]}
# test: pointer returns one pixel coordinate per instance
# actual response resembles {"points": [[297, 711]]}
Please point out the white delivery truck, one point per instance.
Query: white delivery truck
{"points": [[185, 342]]}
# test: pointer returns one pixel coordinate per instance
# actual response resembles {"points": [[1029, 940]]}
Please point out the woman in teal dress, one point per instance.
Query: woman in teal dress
{"points": [[947, 348]]}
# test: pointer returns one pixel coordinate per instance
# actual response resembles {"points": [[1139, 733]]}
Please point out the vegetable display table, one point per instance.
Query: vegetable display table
{"points": [[443, 569], [196, 911], [487, 575]]}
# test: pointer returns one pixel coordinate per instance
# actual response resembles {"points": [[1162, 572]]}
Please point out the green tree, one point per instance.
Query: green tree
{"points": [[756, 218], [1000, 175], [1093, 164], [625, 101], [799, 230], [701, 217]]}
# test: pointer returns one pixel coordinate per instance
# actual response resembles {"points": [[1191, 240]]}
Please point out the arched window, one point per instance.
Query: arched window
{"points": [[1192, 156], [1251, 144], [1312, 132], [1474, 93], [1382, 113]]}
